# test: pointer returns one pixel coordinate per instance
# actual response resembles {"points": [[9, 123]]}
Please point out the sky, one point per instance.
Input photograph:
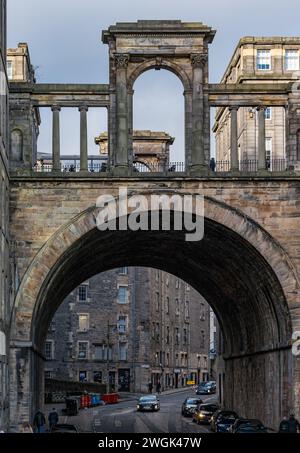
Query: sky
{"points": [[64, 37]]}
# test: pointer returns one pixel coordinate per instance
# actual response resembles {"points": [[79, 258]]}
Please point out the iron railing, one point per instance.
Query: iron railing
{"points": [[251, 165]]}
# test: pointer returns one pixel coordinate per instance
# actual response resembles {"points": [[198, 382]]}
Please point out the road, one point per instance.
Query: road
{"points": [[123, 417]]}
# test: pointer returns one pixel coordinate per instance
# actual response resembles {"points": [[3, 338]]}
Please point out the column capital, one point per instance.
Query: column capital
{"points": [[55, 108], [121, 60], [233, 107], [261, 107], [83, 108], [199, 60]]}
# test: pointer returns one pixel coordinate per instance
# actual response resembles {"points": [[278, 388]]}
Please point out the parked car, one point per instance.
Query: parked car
{"points": [[204, 412], [206, 388], [189, 406], [148, 403], [64, 428], [247, 426], [222, 420]]}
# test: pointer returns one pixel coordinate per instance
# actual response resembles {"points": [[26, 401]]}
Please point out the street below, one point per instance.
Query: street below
{"points": [[124, 418]]}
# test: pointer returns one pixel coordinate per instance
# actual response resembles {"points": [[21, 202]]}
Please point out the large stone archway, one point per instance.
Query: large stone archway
{"points": [[238, 267]]}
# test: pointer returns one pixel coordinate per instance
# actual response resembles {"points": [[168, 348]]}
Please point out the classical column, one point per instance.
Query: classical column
{"points": [[121, 155], [55, 139], [130, 126], [83, 138], [234, 158], [188, 126], [261, 139], [197, 153]]}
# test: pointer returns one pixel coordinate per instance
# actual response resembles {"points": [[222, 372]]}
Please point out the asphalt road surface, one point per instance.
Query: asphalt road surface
{"points": [[124, 418]]}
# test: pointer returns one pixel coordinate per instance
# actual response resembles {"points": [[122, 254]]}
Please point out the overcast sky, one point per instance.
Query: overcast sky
{"points": [[64, 37]]}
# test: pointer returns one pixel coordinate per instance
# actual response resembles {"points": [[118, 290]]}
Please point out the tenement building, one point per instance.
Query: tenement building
{"points": [[4, 226], [130, 326], [257, 60]]}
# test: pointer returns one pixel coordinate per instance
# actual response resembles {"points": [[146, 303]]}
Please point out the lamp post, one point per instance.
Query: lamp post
{"points": [[109, 326]]}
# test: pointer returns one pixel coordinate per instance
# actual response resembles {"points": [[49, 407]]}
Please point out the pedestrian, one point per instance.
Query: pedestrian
{"points": [[284, 425], [53, 418], [294, 425], [39, 422], [150, 386], [212, 164], [158, 387]]}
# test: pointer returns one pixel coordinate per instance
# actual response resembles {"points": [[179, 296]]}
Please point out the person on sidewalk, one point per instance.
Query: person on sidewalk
{"points": [[158, 387], [53, 418], [39, 422], [294, 425], [150, 387]]}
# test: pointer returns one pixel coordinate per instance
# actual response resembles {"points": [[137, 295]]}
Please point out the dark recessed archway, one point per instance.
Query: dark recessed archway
{"points": [[236, 278]]}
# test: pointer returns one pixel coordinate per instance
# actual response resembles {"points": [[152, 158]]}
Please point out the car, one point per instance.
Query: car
{"points": [[148, 403], [189, 406], [204, 412], [222, 420], [247, 426], [206, 388], [64, 428]]}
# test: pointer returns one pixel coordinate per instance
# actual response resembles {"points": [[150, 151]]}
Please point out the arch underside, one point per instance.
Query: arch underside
{"points": [[230, 273]]}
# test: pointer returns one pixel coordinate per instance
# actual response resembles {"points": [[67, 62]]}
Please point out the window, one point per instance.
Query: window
{"points": [[122, 324], [122, 294], [268, 113], [122, 351], [184, 336], [157, 331], [269, 152], [49, 350], [202, 339], [98, 352], [187, 287], [82, 376], [187, 309], [263, 61], [51, 327], [157, 301], [177, 336], [177, 283], [176, 359], [157, 275], [9, 70], [202, 312], [49, 374], [177, 311], [97, 376], [167, 359], [167, 305], [168, 335], [82, 293], [123, 271], [83, 323], [82, 349], [291, 60]]}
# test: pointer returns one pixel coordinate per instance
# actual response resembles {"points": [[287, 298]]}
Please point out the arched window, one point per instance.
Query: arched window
{"points": [[298, 144], [16, 145]]}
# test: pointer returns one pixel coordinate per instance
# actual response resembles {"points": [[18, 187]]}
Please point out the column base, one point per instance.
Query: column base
{"points": [[120, 170], [198, 170]]}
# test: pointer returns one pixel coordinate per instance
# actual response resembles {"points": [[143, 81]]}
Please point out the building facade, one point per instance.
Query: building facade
{"points": [[4, 227], [130, 326], [257, 60]]}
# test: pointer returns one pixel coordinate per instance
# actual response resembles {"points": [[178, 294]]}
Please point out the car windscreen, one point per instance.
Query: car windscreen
{"points": [[208, 408], [192, 401], [147, 399]]}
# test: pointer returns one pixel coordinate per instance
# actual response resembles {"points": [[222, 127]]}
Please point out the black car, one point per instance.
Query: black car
{"points": [[248, 426], [189, 406], [206, 388], [222, 420], [204, 412], [64, 428], [148, 403]]}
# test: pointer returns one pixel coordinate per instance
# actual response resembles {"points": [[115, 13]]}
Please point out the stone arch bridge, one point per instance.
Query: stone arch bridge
{"points": [[248, 264]]}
